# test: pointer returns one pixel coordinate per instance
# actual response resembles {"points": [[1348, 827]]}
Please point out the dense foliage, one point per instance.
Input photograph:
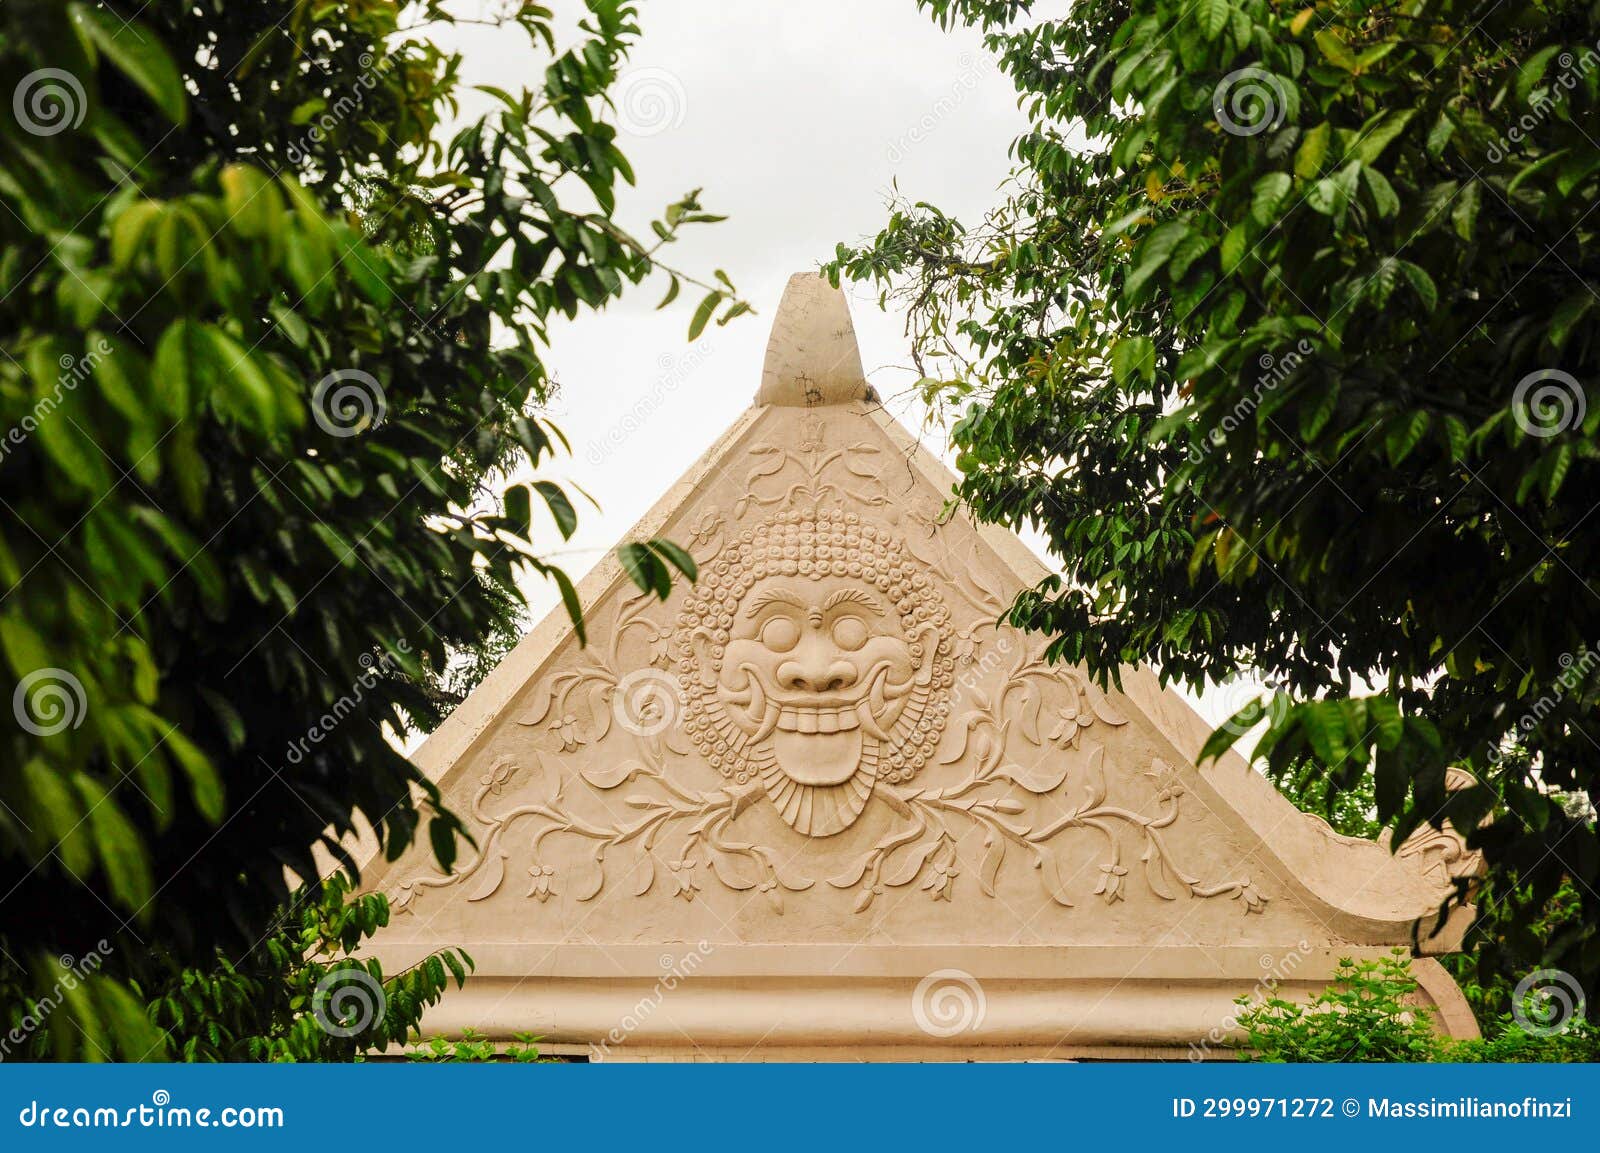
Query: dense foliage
{"points": [[1284, 337], [270, 344], [1369, 1012]]}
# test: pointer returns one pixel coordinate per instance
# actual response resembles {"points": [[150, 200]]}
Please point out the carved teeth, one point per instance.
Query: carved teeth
{"points": [[799, 719]]}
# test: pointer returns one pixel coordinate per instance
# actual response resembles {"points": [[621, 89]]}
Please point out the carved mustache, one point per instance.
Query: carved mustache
{"points": [[759, 714]]}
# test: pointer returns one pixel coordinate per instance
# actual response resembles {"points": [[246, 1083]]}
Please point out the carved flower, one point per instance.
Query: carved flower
{"points": [[1254, 900], [683, 877], [965, 643], [940, 881], [705, 526], [660, 641], [542, 876], [1169, 782], [566, 731], [1110, 886], [1071, 721]]}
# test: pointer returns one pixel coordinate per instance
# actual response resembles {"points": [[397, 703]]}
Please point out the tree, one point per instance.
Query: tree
{"points": [[1283, 336], [271, 347]]}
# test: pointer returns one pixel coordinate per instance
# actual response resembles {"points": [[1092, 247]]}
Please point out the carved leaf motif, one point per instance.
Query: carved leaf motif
{"points": [[600, 708], [794, 882], [912, 864], [1096, 777], [963, 733], [852, 874], [589, 885], [1028, 714], [1155, 872], [540, 708], [728, 874], [994, 854], [1045, 862], [613, 775], [494, 873], [646, 874], [1037, 779], [1104, 709], [863, 900], [850, 462]]}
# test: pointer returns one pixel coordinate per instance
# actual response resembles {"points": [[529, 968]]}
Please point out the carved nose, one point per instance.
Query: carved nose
{"points": [[816, 676]]}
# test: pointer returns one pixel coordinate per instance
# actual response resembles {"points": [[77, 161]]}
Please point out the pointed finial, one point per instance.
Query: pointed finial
{"points": [[812, 358]]}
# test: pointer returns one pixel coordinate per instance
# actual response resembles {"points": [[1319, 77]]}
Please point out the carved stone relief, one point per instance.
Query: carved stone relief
{"points": [[815, 659], [818, 668]]}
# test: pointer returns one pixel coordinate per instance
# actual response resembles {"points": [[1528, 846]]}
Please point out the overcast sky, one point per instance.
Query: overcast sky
{"points": [[795, 118]]}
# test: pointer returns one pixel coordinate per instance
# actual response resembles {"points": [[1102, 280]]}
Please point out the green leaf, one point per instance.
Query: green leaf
{"points": [[1384, 715], [1421, 283], [1133, 354], [1235, 245], [1384, 200], [139, 54], [1379, 132], [1212, 16], [205, 786], [566, 516], [1267, 195], [676, 556], [702, 314], [1334, 50], [1404, 434], [1313, 148], [519, 508], [1464, 214], [126, 865]]}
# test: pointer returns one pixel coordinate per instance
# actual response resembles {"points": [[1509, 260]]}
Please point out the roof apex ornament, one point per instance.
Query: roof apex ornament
{"points": [[812, 358]]}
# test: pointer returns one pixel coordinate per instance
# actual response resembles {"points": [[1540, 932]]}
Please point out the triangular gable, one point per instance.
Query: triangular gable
{"points": [[825, 782]]}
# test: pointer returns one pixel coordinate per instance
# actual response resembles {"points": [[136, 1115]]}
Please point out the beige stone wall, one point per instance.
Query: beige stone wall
{"points": [[822, 804]]}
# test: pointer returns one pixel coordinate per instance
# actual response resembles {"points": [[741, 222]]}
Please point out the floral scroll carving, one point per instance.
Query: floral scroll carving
{"points": [[818, 669]]}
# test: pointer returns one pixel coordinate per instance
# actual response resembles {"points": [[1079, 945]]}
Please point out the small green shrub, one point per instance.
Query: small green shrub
{"points": [[1367, 1014], [474, 1046], [1364, 1015], [1579, 1041]]}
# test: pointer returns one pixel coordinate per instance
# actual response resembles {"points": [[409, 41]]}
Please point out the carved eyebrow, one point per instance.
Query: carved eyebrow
{"points": [[775, 596], [853, 596]]}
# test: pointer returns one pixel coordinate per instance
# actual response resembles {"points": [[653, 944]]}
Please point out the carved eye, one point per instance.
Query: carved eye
{"points": [[849, 633], [780, 634]]}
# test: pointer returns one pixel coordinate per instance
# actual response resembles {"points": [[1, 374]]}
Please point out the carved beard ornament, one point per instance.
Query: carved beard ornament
{"points": [[815, 658]]}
